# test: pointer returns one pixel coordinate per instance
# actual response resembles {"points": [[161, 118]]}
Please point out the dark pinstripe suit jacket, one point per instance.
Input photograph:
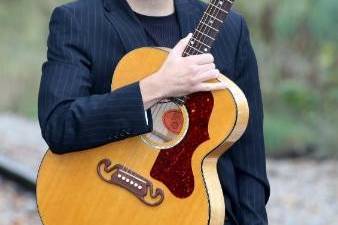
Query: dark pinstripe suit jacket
{"points": [[77, 110]]}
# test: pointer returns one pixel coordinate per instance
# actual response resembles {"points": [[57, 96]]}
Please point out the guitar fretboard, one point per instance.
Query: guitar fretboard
{"points": [[206, 31]]}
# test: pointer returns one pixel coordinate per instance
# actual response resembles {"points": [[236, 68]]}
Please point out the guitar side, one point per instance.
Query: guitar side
{"points": [[70, 191]]}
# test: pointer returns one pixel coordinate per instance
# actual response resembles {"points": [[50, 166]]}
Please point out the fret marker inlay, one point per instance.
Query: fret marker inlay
{"points": [[208, 27]]}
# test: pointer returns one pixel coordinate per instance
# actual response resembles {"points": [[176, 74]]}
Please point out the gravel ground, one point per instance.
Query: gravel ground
{"points": [[20, 140], [17, 206], [304, 192]]}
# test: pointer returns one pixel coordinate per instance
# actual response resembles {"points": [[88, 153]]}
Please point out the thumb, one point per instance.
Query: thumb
{"points": [[182, 44]]}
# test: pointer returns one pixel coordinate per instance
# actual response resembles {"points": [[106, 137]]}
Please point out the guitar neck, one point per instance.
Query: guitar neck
{"points": [[207, 29]]}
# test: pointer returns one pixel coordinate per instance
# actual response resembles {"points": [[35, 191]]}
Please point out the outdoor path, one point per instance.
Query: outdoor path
{"points": [[304, 192]]}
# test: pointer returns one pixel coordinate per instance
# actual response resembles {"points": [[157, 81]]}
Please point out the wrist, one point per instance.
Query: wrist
{"points": [[151, 90]]}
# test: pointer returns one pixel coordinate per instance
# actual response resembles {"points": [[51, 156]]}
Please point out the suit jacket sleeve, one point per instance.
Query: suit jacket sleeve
{"points": [[71, 118], [248, 154]]}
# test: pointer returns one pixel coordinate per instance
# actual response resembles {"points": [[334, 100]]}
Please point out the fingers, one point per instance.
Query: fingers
{"points": [[201, 59], [211, 86], [207, 75], [181, 45], [203, 68]]}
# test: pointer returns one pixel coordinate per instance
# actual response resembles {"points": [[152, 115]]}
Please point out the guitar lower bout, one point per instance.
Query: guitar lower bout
{"points": [[166, 177]]}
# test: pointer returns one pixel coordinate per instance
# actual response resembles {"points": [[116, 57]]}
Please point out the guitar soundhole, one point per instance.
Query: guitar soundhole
{"points": [[170, 124]]}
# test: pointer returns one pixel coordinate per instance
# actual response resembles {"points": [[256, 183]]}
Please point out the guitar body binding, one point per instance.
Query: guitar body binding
{"points": [[175, 173]]}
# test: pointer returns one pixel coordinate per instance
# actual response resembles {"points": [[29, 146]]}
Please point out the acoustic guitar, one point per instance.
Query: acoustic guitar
{"points": [[166, 177]]}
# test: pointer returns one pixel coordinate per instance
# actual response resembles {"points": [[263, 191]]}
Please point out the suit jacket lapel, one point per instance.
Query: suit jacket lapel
{"points": [[121, 16], [188, 16], [129, 28]]}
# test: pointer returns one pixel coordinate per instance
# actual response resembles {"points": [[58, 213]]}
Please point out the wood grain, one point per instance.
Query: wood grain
{"points": [[69, 191]]}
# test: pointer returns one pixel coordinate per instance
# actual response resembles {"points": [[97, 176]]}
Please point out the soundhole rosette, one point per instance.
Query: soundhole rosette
{"points": [[170, 125]]}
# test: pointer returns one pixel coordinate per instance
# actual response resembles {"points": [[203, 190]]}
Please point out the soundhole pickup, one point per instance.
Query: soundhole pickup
{"points": [[170, 125], [124, 177], [178, 100]]}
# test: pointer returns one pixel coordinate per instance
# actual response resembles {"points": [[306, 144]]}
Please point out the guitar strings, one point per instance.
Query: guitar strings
{"points": [[209, 12], [188, 48], [212, 10], [202, 27], [190, 52], [205, 29]]}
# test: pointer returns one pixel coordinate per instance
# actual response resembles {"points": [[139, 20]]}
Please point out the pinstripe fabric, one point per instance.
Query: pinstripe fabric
{"points": [[77, 109]]}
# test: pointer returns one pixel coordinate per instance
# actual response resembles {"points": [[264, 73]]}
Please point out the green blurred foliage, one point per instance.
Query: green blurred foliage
{"points": [[24, 28], [296, 44]]}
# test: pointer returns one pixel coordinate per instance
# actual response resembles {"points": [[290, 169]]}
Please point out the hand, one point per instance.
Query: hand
{"points": [[180, 76]]}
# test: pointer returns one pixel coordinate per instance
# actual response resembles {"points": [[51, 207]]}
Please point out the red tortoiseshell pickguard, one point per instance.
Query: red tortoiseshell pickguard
{"points": [[173, 166]]}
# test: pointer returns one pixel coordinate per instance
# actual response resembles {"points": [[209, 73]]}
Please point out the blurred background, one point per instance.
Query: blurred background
{"points": [[296, 44]]}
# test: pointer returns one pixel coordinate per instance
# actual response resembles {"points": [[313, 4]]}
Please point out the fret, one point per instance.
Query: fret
{"points": [[226, 12], [209, 26], [227, 3], [230, 2], [211, 20], [200, 46], [195, 39], [206, 30], [198, 50], [215, 18], [204, 34]]}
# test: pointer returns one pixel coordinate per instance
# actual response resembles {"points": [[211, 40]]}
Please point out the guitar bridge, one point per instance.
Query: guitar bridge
{"points": [[131, 181]]}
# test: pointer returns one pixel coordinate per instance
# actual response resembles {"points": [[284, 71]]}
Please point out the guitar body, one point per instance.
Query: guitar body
{"points": [[137, 182]]}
